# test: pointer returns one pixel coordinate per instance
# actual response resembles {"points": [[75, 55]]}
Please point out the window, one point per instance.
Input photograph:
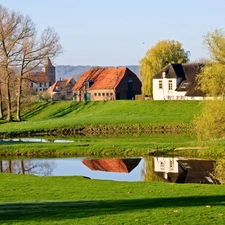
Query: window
{"points": [[171, 164], [184, 85], [40, 84], [170, 85], [99, 94], [103, 94], [107, 94], [160, 84], [130, 85], [95, 94], [31, 84], [162, 165]]}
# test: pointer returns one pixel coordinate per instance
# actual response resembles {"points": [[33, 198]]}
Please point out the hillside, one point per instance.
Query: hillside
{"points": [[126, 115], [63, 71]]}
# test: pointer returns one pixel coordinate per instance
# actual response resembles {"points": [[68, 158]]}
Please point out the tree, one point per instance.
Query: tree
{"points": [[21, 50], [211, 80], [164, 52], [219, 172], [34, 53], [210, 124], [215, 42], [212, 77]]}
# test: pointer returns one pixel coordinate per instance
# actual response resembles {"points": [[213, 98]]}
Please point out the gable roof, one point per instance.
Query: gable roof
{"points": [[103, 78], [59, 85], [187, 72], [38, 77]]}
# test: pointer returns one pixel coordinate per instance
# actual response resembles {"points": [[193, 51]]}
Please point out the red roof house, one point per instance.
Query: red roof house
{"points": [[62, 88], [107, 84]]}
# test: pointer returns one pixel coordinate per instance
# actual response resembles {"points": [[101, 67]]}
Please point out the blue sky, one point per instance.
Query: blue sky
{"points": [[119, 32]]}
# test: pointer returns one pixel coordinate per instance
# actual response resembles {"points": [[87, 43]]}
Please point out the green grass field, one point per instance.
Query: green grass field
{"points": [[47, 116], [28, 199]]}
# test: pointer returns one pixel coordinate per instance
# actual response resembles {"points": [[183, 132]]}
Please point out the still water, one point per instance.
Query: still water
{"points": [[167, 169]]}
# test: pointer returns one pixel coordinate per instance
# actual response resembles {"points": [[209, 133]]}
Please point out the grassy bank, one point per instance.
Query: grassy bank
{"points": [[85, 201], [102, 117], [118, 146], [126, 145]]}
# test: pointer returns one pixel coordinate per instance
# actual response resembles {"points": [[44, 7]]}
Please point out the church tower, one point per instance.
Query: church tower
{"points": [[49, 69]]}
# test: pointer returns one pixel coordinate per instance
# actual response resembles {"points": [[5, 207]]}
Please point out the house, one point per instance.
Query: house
{"points": [[177, 82], [107, 84], [41, 81], [62, 88], [185, 170]]}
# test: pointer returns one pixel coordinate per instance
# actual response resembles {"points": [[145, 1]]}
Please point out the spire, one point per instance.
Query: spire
{"points": [[48, 63]]}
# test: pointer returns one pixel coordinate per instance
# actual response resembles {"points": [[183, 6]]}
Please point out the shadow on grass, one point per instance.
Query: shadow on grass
{"points": [[81, 209]]}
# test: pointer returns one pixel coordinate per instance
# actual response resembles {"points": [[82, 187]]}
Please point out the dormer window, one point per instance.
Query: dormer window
{"points": [[88, 83], [184, 85]]}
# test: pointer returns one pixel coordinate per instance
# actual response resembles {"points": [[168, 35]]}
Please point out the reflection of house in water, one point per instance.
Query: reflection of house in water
{"points": [[183, 170], [112, 165]]}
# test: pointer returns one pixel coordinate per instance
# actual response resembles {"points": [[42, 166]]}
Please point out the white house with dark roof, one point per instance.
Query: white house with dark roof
{"points": [[177, 82]]}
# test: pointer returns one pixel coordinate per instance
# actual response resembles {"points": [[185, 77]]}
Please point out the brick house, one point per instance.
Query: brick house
{"points": [[107, 84]]}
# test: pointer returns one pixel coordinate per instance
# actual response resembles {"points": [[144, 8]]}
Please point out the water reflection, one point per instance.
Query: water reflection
{"points": [[185, 170], [37, 167], [112, 165], [176, 170]]}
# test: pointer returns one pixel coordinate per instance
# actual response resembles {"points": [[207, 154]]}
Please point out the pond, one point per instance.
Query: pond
{"points": [[167, 169]]}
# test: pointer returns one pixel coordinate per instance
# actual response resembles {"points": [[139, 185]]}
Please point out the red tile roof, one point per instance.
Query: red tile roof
{"points": [[38, 77], [58, 85], [104, 78], [112, 165]]}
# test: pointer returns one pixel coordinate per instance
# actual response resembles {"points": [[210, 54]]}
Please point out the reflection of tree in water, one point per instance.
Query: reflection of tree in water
{"points": [[147, 172], [219, 172], [20, 166]]}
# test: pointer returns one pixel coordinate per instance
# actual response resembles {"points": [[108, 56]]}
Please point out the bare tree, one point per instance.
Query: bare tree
{"points": [[1, 107], [33, 54], [20, 48]]}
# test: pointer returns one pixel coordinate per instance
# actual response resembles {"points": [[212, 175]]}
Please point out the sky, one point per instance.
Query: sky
{"points": [[119, 32]]}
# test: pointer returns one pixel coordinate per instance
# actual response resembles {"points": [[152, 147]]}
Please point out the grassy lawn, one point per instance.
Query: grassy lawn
{"points": [[26, 199], [45, 116]]}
